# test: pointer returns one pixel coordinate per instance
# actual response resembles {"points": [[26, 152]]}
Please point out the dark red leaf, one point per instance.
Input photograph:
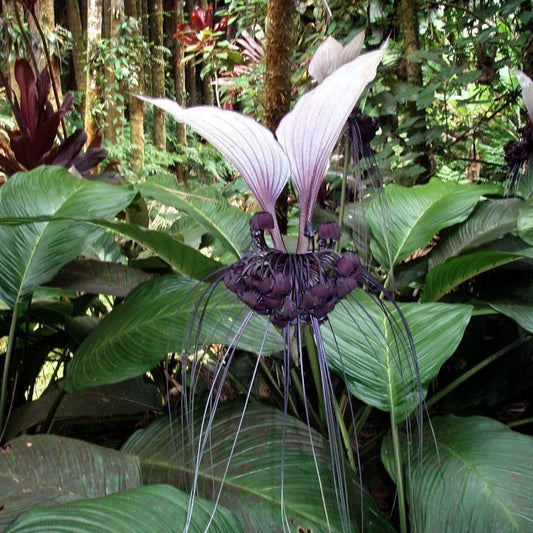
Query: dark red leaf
{"points": [[200, 18], [45, 137], [9, 166], [28, 98], [43, 89], [64, 154], [22, 149]]}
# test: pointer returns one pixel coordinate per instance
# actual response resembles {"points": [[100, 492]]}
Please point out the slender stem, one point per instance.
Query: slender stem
{"points": [[50, 69], [522, 422], [29, 47], [344, 186], [399, 474], [270, 378], [295, 380], [362, 419], [475, 369], [7, 361], [312, 355], [345, 436]]}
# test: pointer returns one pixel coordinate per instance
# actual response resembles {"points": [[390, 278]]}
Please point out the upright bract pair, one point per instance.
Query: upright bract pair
{"points": [[296, 291], [519, 154]]}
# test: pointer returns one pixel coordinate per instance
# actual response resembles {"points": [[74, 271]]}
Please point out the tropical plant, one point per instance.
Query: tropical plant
{"points": [[124, 318], [34, 142]]}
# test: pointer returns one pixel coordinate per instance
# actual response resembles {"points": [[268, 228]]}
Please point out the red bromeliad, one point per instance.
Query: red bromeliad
{"points": [[202, 31], [34, 142]]}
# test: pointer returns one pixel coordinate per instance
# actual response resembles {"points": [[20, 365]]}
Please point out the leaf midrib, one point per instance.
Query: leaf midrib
{"points": [[473, 470]]}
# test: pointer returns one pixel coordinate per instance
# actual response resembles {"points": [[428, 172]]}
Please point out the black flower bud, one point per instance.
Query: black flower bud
{"points": [[261, 221], [328, 234], [348, 264]]}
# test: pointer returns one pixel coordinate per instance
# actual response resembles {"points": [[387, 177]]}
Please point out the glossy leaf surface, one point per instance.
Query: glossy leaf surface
{"points": [[373, 355], [491, 220], [476, 475], [48, 470], [414, 215], [160, 508], [228, 224], [155, 319], [33, 253], [446, 276], [252, 490]]}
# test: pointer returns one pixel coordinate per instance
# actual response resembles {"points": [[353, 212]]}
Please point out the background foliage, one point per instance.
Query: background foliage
{"points": [[94, 272]]}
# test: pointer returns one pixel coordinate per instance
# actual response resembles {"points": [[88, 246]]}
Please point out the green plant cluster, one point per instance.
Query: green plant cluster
{"points": [[101, 281]]}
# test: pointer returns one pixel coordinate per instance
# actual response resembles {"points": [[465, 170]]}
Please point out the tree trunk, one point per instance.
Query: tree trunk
{"points": [[47, 19], [179, 84], [136, 106], [158, 70], [78, 47], [94, 34], [113, 11], [279, 45], [408, 14]]}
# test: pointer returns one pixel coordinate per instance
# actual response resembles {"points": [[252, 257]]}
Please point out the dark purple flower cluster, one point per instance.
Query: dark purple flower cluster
{"points": [[291, 287], [518, 152], [365, 125]]}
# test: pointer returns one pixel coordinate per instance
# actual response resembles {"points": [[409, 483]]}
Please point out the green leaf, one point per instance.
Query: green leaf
{"points": [[252, 489], [402, 220], [446, 276], [47, 470], [99, 277], [373, 355], [184, 259], [157, 318], [525, 221], [490, 220], [160, 508], [33, 253], [520, 312], [475, 475], [127, 399], [226, 223]]}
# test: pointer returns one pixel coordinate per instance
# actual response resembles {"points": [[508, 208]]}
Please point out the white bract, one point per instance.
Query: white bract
{"points": [[301, 147], [331, 55], [527, 91]]}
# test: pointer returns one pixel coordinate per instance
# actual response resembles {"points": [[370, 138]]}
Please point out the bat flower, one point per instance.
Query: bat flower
{"points": [[360, 128], [295, 290], [518, 154], [331, 55]]}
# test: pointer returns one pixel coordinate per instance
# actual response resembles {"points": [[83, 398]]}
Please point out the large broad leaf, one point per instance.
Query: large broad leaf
{"points": [[491, 220], [99, 277], [520, 312], [252, 489], [475, 475], [402, 220], [525, 221], [226, 223], [446, 276], [184, 259], [156, 508], [47, 470], [159, 317], [133, 398], [370, 349], [33, 253]]}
